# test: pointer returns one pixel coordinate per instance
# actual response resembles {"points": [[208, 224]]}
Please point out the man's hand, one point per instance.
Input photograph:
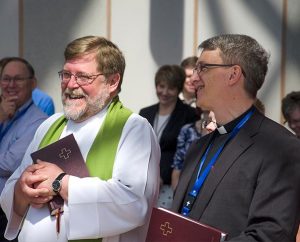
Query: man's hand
{"points": [[49, 170], [26, 194], [7, 107]]}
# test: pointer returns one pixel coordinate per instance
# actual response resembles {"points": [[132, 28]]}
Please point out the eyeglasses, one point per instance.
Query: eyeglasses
{"points": [[82, 79], [200, 67], [18, 80]]}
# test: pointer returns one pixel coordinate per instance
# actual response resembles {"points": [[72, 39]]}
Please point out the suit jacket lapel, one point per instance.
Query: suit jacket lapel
{"points": [[230, 154], [227, 158], [192, 159], [151, 113]]}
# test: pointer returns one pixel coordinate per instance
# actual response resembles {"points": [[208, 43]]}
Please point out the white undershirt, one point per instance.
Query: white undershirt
{"points": [[160, 123]]}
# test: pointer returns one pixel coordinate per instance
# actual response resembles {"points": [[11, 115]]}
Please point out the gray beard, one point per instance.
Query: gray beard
{"points": [[92, 107]]}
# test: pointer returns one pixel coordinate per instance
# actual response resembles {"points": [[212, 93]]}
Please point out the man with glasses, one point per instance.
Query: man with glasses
{"points": [[120, 149], [41, 99], [19, 117], [243, 178]]}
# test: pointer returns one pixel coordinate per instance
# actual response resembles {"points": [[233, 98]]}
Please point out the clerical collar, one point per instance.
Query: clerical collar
{"points": [[227, 128]]}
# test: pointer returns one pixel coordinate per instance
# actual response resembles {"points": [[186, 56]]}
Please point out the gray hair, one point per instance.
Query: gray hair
{"points": [[244, 51]]}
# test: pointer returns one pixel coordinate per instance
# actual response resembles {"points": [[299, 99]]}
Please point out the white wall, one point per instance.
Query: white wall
{"points": [[49, 26], [261, 21], [150, 33], [293, 49], [9, 28], [130, 30]]}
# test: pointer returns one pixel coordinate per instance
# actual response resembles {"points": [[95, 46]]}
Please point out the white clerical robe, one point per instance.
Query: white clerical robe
{"points": [[116, 210]]}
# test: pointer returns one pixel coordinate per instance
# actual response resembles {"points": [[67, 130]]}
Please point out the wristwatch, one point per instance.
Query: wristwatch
{"points": [[56, 184]]}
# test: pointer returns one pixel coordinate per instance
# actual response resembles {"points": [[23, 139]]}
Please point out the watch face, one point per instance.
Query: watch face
{"points": [[56, 185]]}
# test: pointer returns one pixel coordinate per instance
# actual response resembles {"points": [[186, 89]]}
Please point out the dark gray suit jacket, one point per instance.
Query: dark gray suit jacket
{"points": [[253, 191]]}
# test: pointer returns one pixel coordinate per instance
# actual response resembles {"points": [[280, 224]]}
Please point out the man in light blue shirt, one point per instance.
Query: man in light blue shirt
{"points": [[19, 118]]}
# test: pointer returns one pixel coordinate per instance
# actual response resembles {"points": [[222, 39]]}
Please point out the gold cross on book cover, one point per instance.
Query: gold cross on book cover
{"points": [[167, 226]]}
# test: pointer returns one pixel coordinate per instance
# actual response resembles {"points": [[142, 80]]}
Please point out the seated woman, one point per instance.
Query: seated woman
{"points": [[167, 117]]}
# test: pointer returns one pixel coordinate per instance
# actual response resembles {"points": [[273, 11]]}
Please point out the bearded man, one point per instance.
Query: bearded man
{"points": [[114, 203]]}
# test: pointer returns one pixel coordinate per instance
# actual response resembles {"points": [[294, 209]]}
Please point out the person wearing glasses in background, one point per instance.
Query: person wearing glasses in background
{"points": [[19, 118], [115, 203], [243, 178], [41, 99]]}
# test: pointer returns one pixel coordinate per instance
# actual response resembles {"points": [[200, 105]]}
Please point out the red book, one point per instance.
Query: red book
{"points": [[167, 226], [66, 154]]}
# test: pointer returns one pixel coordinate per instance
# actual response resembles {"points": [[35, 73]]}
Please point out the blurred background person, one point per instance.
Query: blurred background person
{"points": [[167, 117], [290, 107], [43, 101], [188, 134], [187, 95], [19, 118]]}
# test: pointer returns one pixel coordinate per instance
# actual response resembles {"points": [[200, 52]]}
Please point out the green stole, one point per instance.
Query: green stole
{"points": [[101, 156]]}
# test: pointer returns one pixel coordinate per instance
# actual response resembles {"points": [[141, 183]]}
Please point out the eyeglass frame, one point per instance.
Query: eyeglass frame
{"points": [[201, 66], [91, 77], [18, 80]]}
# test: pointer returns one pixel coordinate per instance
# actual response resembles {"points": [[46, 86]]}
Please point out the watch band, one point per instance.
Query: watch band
{"points": [[60, 176], [56, 184]]}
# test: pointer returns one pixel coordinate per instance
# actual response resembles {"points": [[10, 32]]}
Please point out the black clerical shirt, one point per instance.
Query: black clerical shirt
{"points": [[219, 137]]}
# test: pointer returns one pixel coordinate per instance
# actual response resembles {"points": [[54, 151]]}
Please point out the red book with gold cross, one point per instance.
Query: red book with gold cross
{"points": [[167, 226], [66, 154]]}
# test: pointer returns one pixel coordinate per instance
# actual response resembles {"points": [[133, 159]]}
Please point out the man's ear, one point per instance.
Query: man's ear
{"points": [[113, 82], [235, 75]]}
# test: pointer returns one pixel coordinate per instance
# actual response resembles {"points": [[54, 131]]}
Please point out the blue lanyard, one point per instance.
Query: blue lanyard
{"points": [[10, 123], [201, 177]]}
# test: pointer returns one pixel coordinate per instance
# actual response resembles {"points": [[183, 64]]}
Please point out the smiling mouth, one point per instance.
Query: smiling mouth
{"points": [[72, 97], [12, 93]]}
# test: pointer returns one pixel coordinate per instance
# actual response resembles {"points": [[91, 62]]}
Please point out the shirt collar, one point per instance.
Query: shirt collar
{"points": [[20, 109], [25, 105], [227, 128]]}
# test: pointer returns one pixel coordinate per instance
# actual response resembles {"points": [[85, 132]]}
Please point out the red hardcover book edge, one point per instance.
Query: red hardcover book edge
{"points": [[167, 226]]}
